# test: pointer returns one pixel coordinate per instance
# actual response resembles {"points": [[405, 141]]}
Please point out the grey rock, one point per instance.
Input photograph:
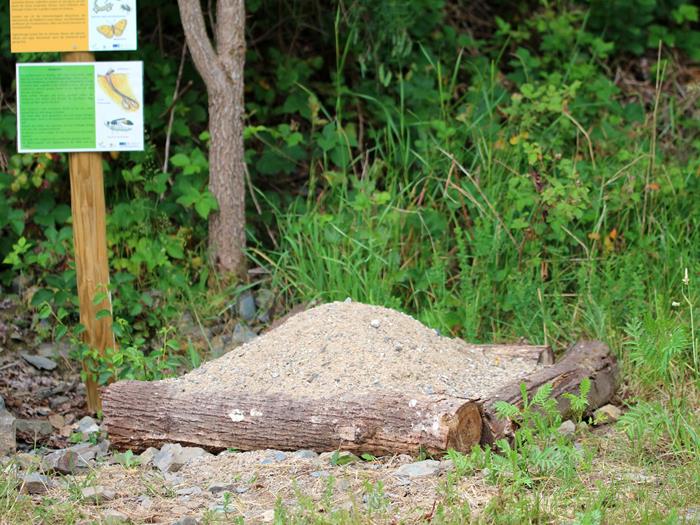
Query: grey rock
{"points": [[420, 469], [188, 491], [187, 520], [173, 456], [146, 457], [8, 438], [265, 300], [348, 300], [320, 474], [218, 487], [114, 517], [57, 401], [242, 334], [35, 483], [607, 414], [567, 428], [375, 323], [246, 306], [88, 426], [305, 454], [2, 403], [65, 461], [28, 460], [39, 362], [35, 428], [275, 456], [145, 502], [690, 516], [338, 458], [97, 494]]}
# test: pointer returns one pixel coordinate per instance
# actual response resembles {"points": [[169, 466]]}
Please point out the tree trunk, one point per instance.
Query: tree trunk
{"points": [[222, 68], [227, 182]]}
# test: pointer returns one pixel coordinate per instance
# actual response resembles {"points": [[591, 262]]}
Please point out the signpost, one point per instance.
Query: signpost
{"points": [[82, 107]]}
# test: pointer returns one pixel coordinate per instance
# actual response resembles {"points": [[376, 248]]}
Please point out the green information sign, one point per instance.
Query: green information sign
{"points": [[58, 107], [94, 106]]}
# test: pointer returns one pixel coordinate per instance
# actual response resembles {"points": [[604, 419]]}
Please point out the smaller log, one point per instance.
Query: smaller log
{"points": [[591, 359], [140, 414], [541, 355]]}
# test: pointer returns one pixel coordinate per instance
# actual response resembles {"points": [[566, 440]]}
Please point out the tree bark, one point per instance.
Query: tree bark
{"points": [[222, 68], [590, 359], [140, 414]]}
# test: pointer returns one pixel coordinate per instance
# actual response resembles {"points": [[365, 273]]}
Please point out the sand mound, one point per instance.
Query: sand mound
{"points": [[341, 348]]}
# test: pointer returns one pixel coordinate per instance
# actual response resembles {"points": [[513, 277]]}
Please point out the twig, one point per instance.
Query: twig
{"points": [[585, 134], [652, 160], [171, 119]]}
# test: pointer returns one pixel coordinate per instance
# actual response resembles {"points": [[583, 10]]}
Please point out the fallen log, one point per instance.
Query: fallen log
{"points": [[141, 414], [591, 359]]}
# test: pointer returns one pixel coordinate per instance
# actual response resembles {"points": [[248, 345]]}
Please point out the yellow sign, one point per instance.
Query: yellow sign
{"points": [[72, 25]]}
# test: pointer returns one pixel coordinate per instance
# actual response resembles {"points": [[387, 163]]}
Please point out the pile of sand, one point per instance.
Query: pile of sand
{"points": [[341, 348]]}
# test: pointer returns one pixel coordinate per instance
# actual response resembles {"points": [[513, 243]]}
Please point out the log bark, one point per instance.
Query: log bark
{"points": [[590, 359], [141, 414]]}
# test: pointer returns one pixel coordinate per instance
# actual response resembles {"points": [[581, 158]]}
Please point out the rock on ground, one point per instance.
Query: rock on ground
{"points": [[607, 414], [420, 469], [8, 438]]}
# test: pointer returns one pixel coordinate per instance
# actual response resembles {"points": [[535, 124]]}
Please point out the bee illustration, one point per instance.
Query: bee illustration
{"points": [[125, 7]]}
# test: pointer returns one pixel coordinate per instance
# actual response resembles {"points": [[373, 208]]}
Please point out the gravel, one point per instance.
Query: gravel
{"points": [[344, 348]]}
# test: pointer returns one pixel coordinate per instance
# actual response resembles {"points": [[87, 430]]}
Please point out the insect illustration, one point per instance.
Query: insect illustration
{"points": [[125, 7], [110, 31], [119, 124], [116, 87], [97, 8]]}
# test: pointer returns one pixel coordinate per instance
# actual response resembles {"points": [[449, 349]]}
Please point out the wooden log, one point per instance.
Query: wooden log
{"points": [[590, 359], [541, 355], [140, 414]]}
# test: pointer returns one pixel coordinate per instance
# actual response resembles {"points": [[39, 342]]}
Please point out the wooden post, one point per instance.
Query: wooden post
{"points": [[90, 246]]}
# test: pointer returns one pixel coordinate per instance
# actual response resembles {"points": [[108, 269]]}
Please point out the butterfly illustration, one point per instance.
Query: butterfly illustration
{"points": [[115, 30]]}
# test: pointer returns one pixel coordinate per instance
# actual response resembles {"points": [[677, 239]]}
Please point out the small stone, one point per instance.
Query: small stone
{"points": [[34, 429], [57, 421], [114, 517], [268, 516], [607, 414], [242, 334], [348, 300], [219, 487], [265, 301], [97, 494], [64, 461], [420, 469], [375, 323], [246, 306], [39, 362], [8, 429], [320, 474], [305, 454], [88, 426], [567, 428], [690, 516], [2, 403], [173, 456], [582, 427], [146, 457], [57, 401], [339, 458], [189, 491], [35, 483], [187, 520], [145, 502]]}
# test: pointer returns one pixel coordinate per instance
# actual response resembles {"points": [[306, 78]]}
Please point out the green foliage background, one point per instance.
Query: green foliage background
{"points": [[500, 170]]}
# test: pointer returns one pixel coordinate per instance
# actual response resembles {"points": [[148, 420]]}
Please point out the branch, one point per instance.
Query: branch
{"points": [[203, 54]]}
